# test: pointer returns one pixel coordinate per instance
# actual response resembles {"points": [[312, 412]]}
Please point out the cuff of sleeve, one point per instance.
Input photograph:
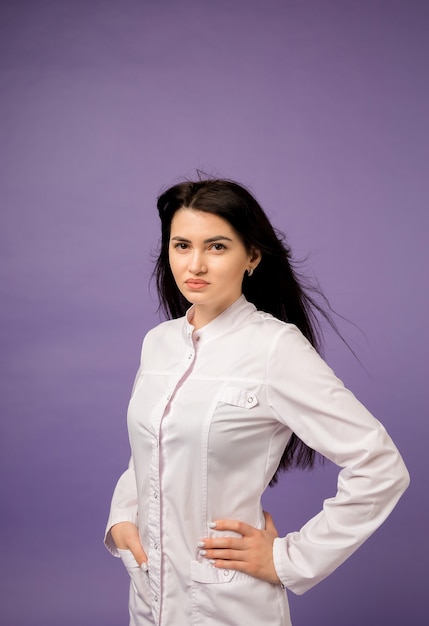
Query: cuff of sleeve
{"points": [[280, 559]]}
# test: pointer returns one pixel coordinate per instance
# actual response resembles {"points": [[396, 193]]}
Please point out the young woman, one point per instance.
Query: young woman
{"points": [[230, 391]]}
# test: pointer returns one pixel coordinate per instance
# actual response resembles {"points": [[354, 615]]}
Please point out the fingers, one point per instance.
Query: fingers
{"points": [[251, 552], [251, 555], [223, 548], [246, 529], [243, 529]]}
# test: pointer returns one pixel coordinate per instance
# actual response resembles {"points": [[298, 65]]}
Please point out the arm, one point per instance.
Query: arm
{"points": [[307, 396], [123, 507]]}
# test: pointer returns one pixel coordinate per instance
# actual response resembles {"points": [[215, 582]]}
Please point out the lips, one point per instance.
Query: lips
{"points": [[196, 283]]}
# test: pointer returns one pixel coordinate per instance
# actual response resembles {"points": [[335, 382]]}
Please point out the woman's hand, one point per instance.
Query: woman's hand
{"points": [[126, 537], [252, 553]]}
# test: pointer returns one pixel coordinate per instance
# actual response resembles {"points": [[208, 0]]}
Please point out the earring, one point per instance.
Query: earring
{"points": [[250, 271]]}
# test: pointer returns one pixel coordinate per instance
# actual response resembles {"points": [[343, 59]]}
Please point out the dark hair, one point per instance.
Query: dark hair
{"points": [[275, 287]]}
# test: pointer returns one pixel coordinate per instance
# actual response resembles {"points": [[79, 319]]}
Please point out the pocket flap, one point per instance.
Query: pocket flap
{"points": [[129, 561], [206, 573], [237, 396]]}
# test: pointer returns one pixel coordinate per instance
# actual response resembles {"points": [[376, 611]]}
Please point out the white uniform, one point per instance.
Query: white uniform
{"points": [[209, 418]]}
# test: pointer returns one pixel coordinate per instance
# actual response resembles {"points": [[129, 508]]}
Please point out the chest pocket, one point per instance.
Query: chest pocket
{"points": [[237, 396]]}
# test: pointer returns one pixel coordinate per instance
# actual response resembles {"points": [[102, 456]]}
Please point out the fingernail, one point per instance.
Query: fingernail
{"points": [[200, 544], [144, 567], [202, 552], [212, 525], [212, 561]]}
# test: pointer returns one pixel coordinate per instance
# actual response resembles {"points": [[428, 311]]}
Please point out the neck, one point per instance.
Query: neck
{"points": [[202, 316]]}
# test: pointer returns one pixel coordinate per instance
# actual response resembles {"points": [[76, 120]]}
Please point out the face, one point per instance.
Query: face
{"points": [[208, 261]]}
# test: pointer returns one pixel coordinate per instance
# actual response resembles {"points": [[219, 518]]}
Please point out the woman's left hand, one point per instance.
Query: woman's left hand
{"points": [[252, 553]]}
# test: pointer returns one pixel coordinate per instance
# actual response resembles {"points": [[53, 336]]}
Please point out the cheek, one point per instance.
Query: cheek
{"points": [[236, 274], [174, 263]]}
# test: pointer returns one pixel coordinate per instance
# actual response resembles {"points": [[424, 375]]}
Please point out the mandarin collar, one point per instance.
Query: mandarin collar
{"points": [[221, 324]]}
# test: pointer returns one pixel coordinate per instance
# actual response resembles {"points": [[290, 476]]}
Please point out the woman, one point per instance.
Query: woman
{"points": [[229, 392]]}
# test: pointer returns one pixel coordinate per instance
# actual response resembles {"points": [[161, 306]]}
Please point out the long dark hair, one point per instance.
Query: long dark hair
{"points": [[275, 287]]}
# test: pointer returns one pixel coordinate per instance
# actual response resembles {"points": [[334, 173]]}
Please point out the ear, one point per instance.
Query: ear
{"points": [[255, 257]]}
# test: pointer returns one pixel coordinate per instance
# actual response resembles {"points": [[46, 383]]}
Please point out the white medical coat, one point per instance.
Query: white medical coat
{"points": [[210, 415]]}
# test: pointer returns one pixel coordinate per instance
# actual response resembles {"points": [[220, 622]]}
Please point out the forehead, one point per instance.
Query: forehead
{"points": [[186, 221]]}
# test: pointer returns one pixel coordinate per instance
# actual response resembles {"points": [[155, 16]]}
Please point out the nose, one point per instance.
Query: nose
{"points": [[196, 263]]}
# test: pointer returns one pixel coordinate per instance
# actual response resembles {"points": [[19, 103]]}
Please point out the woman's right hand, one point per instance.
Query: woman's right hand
{"points": [[126, 537]]}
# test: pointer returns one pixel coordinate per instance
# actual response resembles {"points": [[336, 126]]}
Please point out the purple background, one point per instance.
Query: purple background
{"points": [[321, 107]]}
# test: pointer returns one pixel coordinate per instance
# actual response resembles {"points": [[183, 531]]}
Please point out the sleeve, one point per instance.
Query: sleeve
{"points": [[306, 395], [123, 507]]}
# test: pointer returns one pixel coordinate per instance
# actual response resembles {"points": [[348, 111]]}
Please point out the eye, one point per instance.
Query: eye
{"points": [[218, 247], [181, 245]]}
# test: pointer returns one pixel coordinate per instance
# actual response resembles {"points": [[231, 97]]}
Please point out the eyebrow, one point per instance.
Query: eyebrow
{"points": [[209, 240]]}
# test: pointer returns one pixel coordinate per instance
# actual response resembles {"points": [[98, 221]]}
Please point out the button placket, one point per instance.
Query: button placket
{"points": [[154, 512], [154, 518]]}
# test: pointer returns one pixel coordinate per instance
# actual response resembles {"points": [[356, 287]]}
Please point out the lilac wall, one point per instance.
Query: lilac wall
{"points": [[321, 108]]}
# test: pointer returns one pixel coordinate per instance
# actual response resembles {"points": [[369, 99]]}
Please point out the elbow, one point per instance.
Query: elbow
{"points": [[403, 479], [391, 465], [400, 478]]}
